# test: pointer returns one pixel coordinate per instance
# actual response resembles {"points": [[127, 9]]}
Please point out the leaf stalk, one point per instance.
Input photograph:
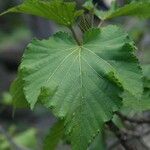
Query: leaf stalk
{"points": [[75, 36]]}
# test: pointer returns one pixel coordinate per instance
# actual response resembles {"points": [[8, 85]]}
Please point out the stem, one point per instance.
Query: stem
{"points": [[74, 35], [122, 137], [101, 22], [92, 17], [132, 120], [86, 23]]}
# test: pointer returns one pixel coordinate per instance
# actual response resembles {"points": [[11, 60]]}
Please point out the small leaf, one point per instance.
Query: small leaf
{"points": [[6, 99], [63, 13], [16, 91], [138, 9], [88, 5], [54, 136], [27, 139], [118, 122]]}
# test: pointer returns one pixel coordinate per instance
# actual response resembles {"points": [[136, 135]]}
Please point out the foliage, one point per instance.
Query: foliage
{"points": [[13, 39], [83, 81], [98, 143], [18, 97], [146, 72], [55, 10], [142, 103], [24, 140], [54, 136], [138, 9]]}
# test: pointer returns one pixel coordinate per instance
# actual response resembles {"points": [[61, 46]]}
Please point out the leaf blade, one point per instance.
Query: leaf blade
{"points": [[137, 9], [17, 93], [75, 80], [63, 13]]}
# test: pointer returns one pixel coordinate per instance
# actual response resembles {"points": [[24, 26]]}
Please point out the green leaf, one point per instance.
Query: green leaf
{"points": [[54, 136], [118, 122], [63, 13], [138, 9], [16, 91], [6, 99], [137, 105], [98, 143], [81, 84], [88, 5], [146, 73], [27, 138], [24, 140]]}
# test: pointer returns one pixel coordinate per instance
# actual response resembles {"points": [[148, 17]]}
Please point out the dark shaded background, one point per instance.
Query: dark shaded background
{"points": [[25, 127]]}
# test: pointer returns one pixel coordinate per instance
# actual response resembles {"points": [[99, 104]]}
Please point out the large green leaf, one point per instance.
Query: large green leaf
{"points": [[54, 136], [139, 9], [61, 12], [81, 83]]}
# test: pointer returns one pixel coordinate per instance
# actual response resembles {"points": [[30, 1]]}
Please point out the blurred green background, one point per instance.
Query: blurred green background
{"points": [[22, 129]]}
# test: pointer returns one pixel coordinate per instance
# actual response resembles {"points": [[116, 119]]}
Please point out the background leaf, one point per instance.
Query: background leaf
{"points": [[138, 9], [63, 13], [24, 140], [17, 93]]}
